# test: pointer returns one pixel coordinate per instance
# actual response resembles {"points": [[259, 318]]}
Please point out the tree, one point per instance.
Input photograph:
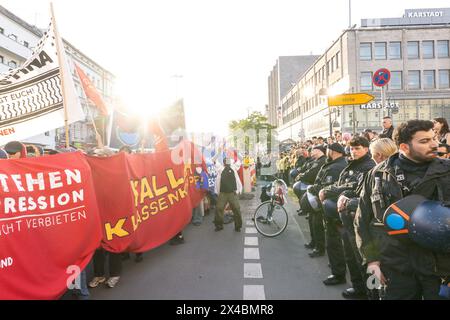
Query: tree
{"points": [[252, 133]]}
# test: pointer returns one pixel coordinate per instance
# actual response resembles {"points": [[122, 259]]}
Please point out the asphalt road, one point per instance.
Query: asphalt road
{"points": [[227, 265]]}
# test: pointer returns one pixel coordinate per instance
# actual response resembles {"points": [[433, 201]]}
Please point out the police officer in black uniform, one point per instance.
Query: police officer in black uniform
{"points": [[328, 175], [308, 175], [351, 176], [407, 270]]}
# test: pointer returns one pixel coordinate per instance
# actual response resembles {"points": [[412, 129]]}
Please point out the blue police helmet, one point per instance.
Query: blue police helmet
{"points": [[397, 216], [429, 226], [293, 173], [309, 203], [299, 189], [330, 209]]}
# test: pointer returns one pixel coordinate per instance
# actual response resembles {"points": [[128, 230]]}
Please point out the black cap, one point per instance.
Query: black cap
{"points": [[13, 147], [337, 147], [320, 147]]}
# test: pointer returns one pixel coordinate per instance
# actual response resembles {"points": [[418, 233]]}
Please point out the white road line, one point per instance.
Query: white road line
{"points": [[251, 230], [251, 253], [254, 292], [251, 241], [253, 270], [250, 223]]}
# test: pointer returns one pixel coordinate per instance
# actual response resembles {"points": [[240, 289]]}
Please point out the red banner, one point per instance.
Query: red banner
{"points": [[145, 199], [49, 224]]}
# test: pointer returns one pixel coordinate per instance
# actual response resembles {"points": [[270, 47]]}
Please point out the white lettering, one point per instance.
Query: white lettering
{"points": [[10, 203], [55, 180], [17, 181], [39, 181], [3, 178], [73, 175]]}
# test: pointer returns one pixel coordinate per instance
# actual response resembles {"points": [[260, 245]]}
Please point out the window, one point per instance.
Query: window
{"points": [[365, 51], [12, 64], [429, 79], [366, 81], [414, 80], [396, 82], [428, 49], [380, 50], [444, 79], [2, 31], [442, 49], [395, 50], [2, 59], [13, 37], [413, 49], [337, 60], [26, 44]]}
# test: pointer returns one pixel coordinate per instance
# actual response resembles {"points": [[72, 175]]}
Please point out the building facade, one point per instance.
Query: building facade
{"points": [[415, 48], [17, 41], [285, 73]]}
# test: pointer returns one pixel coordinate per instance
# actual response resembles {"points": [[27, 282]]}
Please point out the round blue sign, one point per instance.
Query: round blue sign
{"points": [[381, 77]]}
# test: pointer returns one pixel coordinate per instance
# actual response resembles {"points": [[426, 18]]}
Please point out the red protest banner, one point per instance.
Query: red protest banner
{"points": [[145, 199], [49, 224]]}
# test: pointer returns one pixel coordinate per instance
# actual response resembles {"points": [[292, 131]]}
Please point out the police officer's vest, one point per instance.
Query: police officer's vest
{"points": [[228, 180]]}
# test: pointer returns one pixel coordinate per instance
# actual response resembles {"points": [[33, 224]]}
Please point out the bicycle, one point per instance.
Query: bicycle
{"points": [[270, 217]]}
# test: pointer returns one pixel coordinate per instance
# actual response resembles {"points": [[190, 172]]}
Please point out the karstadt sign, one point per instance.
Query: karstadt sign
{"points": [[424, 14]]}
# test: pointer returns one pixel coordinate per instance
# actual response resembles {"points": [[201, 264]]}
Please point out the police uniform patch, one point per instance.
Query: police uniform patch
{"points": [[329, 179]]}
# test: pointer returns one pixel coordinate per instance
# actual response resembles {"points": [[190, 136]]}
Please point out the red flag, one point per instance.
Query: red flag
{"points": [[91, 92]]}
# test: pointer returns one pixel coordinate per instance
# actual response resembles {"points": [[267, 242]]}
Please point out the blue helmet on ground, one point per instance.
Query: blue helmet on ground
{"points": [[330, 209], [293, 173], [430, 226]]}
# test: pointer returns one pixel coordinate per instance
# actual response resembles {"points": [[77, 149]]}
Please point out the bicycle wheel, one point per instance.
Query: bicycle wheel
{"points": [[270, 220]]}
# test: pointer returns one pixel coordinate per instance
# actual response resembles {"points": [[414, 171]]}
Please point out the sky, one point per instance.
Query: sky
{"points": [[215, 54]]}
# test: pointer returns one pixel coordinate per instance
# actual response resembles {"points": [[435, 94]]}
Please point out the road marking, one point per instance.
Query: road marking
{"points": [[254, 292], [251, 253], [250, 223], [251, 241], [251, 230], [253, 270]]}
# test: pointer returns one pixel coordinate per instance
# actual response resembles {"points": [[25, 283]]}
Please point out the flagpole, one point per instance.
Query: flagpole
{"points": [[61, 61]]}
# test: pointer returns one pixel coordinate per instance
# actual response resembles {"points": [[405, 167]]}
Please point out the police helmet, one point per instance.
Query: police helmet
{"points": [[299, 189], [397, 216], [309, 203], [293, 173], [330, 209], [429, 226]]}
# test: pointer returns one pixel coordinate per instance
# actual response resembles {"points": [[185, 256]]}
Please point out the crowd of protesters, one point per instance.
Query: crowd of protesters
{"points": [[346, 184], [103, 261]]}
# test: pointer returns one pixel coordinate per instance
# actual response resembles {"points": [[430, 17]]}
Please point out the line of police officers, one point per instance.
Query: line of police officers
{"points": [[347, 201]]}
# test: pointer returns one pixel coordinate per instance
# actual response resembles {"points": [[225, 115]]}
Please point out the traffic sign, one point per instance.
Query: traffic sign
{"points": [[349, 99], [381, 77]]}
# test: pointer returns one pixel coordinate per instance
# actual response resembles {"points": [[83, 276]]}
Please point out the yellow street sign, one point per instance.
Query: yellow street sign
{"points": [[349, 99]]}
